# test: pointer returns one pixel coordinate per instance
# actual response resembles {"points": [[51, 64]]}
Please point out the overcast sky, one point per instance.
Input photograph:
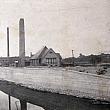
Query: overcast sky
{"points": [[64, 25]]}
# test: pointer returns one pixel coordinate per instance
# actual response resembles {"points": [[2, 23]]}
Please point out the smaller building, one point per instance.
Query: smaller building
{"points": [[13, 61], [4, 61], [46, 57]]}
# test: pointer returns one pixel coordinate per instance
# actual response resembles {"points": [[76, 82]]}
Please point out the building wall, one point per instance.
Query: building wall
{"points": [[34, 62], [51, 58], [5, 61]]}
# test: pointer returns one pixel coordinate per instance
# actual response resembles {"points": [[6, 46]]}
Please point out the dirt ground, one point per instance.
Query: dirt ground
{"points": [[89, 69]]}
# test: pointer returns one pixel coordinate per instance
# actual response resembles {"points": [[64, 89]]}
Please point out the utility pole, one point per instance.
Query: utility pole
{"points": [[73, 57]]}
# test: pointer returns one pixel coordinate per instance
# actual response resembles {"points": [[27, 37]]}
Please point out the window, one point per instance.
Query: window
{"points": [[51, 60], [50, 52]]}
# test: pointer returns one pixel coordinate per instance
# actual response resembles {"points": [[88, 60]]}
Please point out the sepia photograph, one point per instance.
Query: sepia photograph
{"points": [[54, 54]]}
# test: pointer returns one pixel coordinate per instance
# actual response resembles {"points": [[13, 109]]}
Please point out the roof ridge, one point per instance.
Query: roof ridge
{"points": [[38, 54]]}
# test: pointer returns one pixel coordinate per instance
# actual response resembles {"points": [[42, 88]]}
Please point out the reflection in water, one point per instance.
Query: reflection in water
{"points": [[14, 103]]}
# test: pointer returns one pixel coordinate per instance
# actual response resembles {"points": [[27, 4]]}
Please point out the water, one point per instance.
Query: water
{"points": [[57, 80], [14, 103]]}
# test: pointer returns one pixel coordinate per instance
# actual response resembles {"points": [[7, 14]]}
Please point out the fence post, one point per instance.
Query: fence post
{"points": [[23, 105], [9, 99]]}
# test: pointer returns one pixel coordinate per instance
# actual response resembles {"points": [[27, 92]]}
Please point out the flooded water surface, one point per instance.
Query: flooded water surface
{"points": [[58, 81]]}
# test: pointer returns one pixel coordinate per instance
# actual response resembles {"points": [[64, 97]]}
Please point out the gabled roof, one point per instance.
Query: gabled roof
{"points": [[46, 52], [58, 54], [43, 52], [40, 53]]}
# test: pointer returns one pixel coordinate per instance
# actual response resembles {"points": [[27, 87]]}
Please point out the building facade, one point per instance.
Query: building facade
{"points": [[46, 57], [90, 60], [13, 61]]}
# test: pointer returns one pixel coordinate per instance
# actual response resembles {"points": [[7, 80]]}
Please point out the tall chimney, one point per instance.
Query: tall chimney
{"points": [[21, 43], [8, 42]]}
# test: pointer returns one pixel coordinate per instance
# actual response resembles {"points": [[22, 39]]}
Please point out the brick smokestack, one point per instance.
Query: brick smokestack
{"points": [[21, 43], [8, 42]]}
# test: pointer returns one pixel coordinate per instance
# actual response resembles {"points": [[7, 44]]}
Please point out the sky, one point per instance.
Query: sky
{"points": [[64, 25]]}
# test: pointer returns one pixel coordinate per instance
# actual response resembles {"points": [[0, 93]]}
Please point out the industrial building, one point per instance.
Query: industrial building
{"points": [[44, 57], [13, 61]]}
